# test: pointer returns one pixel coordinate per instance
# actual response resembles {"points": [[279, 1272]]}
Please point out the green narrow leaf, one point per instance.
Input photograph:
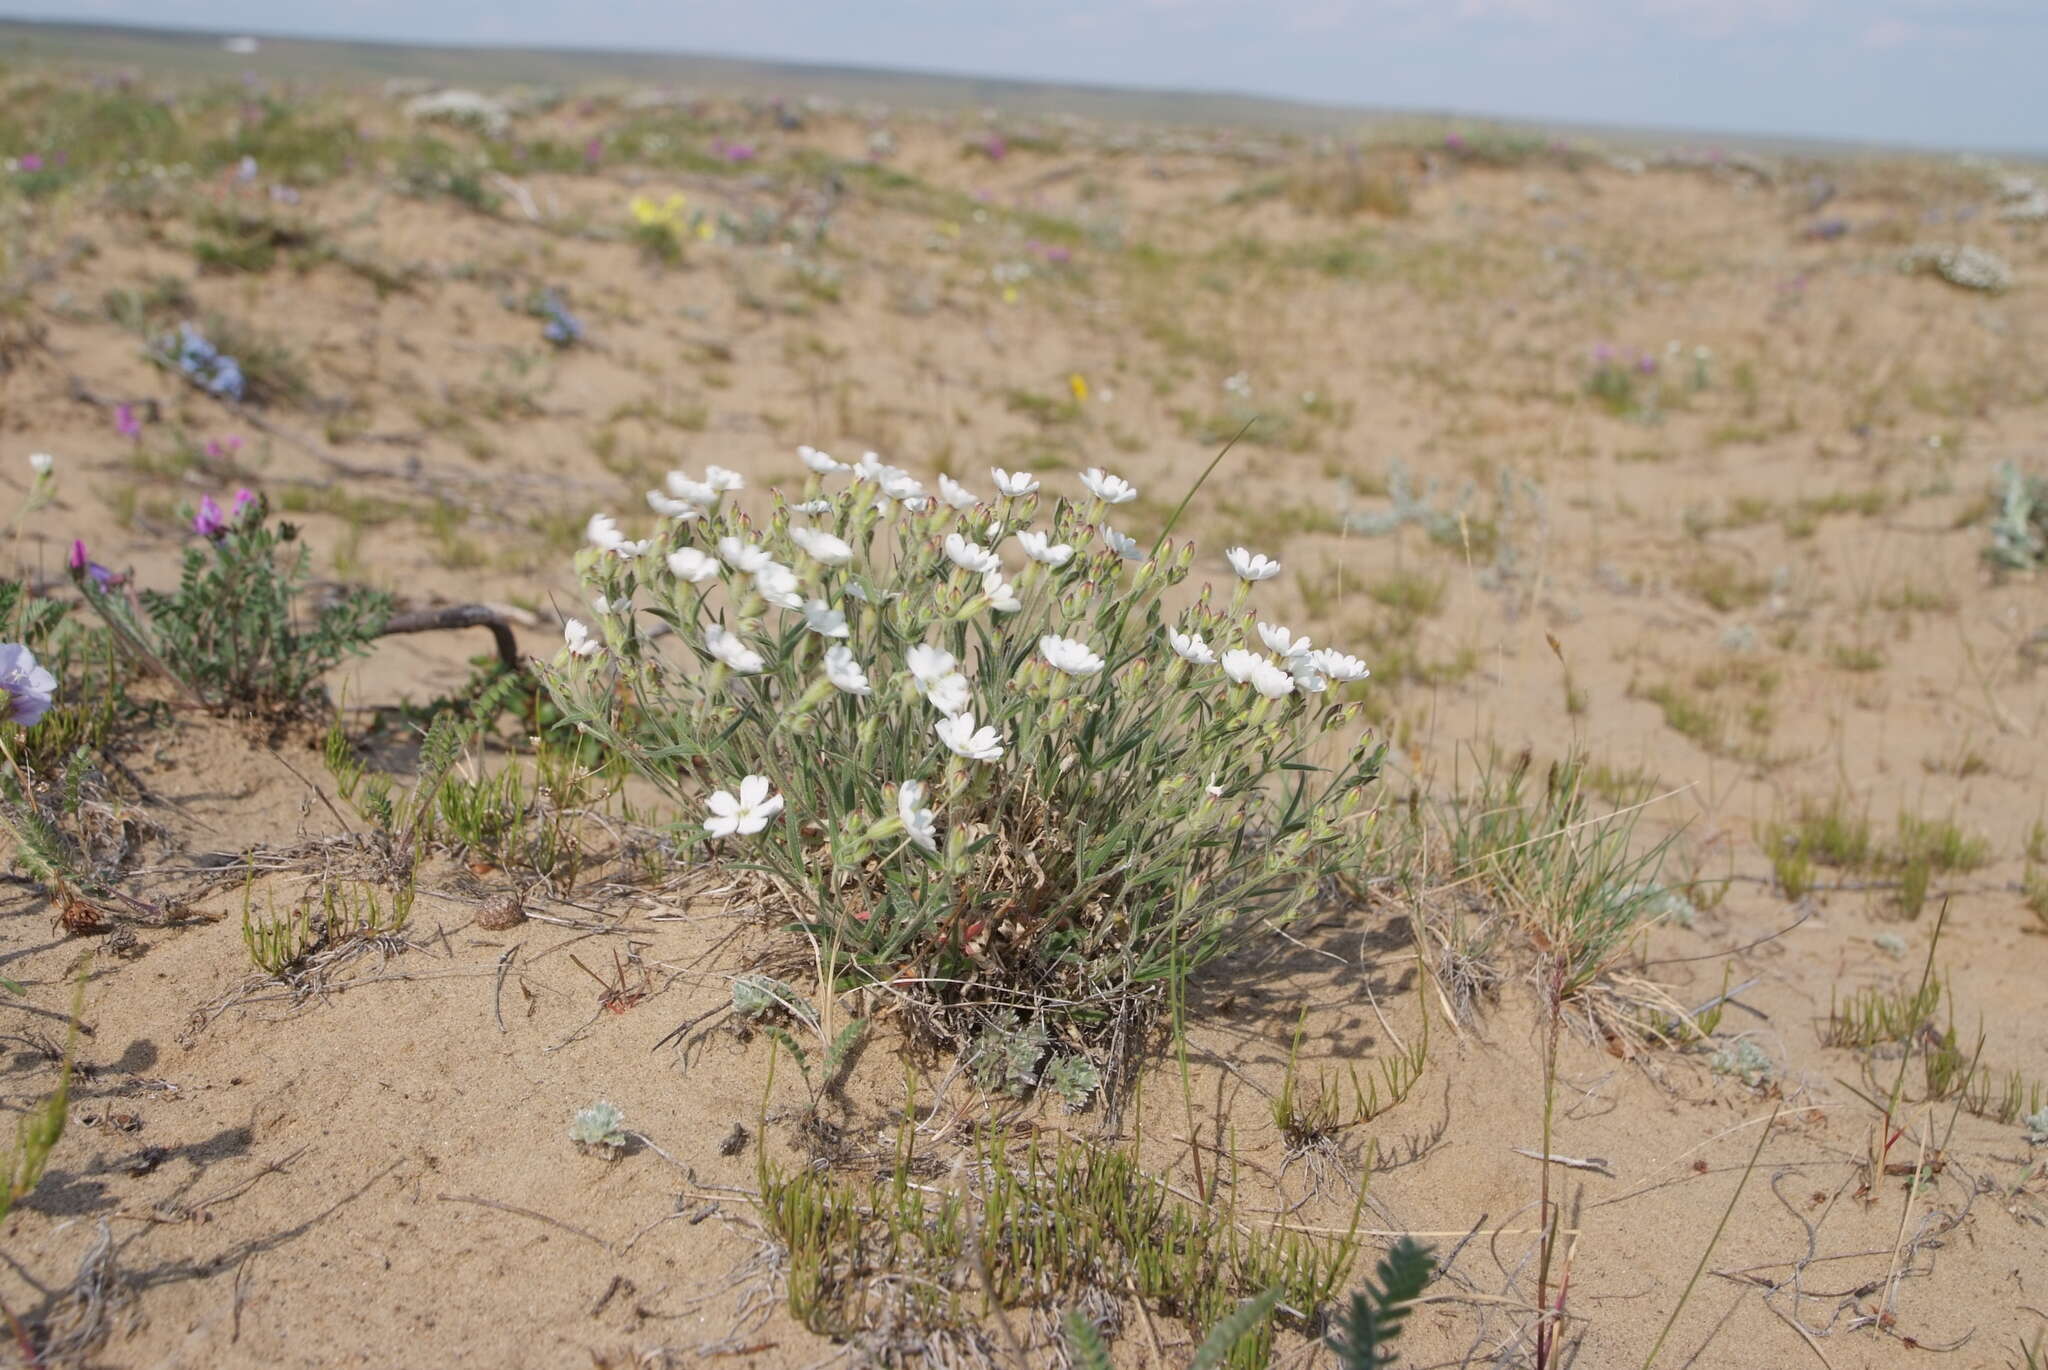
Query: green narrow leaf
{"points": [[1226, 1334], [1089, 1350]]}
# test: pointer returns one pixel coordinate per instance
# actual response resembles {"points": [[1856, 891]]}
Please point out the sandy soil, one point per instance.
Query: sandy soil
{"points": [[1763, 591]]}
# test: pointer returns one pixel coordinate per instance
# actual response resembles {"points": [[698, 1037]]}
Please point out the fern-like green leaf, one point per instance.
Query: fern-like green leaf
{"points": [[1368, 1327], [1239, 1324], [1089, 1350]]}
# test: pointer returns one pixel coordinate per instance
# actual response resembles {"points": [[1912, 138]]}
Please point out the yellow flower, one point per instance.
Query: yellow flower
{"points": [[646, 212], [1078, 383], [1009, 294]]}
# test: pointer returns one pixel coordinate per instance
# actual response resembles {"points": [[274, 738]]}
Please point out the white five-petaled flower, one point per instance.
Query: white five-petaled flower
{"points": [[693, 566], [690, 491], [1307, 673], [603, 533], [821, 462], [779, 586], [845, 673], [870, 467], [901, 485], [917, 821], [1190, 647], [1041, 548], [971, 556], [721, 480], [962, 738], [824, 620], [742, 555], [1280, 640], [1239, 664], [929, 663], [1020, 484], [1002, 596], [1107, 488], [1125, 547], [1337, 666], [580, 641], [622, 605], [1069, 654], [41, 463], [673, 508], [745, 815], [729, 649], [956, 494], [813, 506], [1252, 566], [822, 546], [1270, 680], [950, 694]]}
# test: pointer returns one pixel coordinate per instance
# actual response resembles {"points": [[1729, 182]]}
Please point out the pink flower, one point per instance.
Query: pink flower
{"points": [[126, 422], [31, 162], [209, 522], [244, 497], [83, 566]]}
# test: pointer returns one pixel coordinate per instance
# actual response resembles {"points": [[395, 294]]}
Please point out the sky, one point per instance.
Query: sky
{"points": [[1954, 73]]}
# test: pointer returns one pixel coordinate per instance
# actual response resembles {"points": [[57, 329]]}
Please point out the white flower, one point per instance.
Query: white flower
{"points": [[1239, 664], [622, 605], [690, 491], [1280, 640], [844, 672], [779, 586], [721, 480], [743, 556], [1002, 596], [1069, 654], [900, 485], [1270, 680], [821, 462], [956, 494], [693, 566], [917, 822], [603, 533], [871, 467], [746, 815], [950, 694], [1022, 483], [929, 663], [822, 546], [1191, 647], [1337, 666], [1252, 566], [971, 556], [1041, 548], [1125, 547], [824, 620], [581, 643], [813, 506], [41, 463], [733, 652], [1107, 488], [963, 739], [1308, 677], [673, 508]]}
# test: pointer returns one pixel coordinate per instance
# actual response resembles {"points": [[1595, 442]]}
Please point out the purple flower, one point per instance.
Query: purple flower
{"points": [[244, 498], [126, 422], [26, 686], [1647, 364], [593, 152], [1603, 354], [209, 522], [82, 566], [1454, 142], [31, 162], [995, 147]]}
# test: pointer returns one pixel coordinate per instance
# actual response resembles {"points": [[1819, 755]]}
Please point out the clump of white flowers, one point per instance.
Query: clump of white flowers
{"points": [[988, 752], [1969, 267]]}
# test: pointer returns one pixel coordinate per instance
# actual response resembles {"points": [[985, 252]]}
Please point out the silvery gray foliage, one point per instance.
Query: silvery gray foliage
{"points": [[602, 1126], [2019, 530]]}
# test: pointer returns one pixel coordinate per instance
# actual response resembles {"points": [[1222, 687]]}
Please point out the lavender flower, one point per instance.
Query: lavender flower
{"points": [[126, 422], [26, 686]]}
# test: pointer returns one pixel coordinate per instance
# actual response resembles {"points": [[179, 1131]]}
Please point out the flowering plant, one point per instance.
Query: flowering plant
{"points": [[988, 756], [233, 633]]}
